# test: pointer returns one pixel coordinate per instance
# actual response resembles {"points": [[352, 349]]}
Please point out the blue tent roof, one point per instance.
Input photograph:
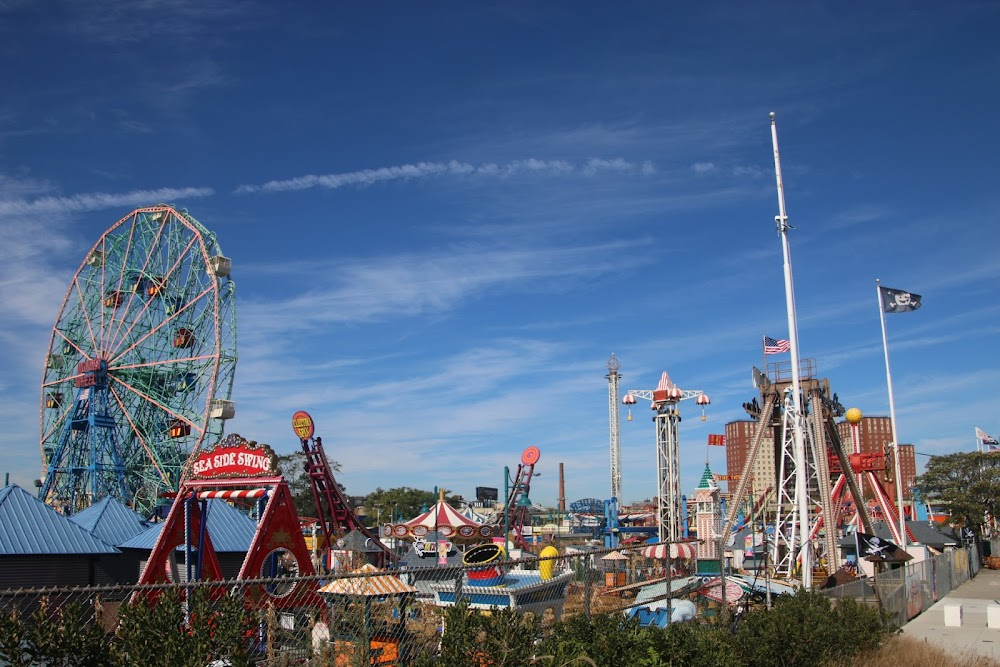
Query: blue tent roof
{"points": [[111, 521], [30, 527], [230, 530]]}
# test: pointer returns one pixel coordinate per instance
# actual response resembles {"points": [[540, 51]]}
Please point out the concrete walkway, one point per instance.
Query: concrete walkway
{"points": [[973, 638]]}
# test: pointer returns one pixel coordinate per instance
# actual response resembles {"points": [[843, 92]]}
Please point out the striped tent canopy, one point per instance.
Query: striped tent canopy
{"points": [[679, 550], [369, 586], [447, 521]]}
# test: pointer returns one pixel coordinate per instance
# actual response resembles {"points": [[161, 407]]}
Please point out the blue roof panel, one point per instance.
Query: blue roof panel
{"points": [[231, 530], [111, 521], [29, 527]]}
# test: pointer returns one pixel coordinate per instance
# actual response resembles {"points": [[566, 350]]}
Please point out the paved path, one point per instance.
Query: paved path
{"points": [[973, 637]]}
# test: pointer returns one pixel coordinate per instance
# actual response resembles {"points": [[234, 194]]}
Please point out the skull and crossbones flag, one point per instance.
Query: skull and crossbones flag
{"points": [[876, 549], [898, 301]]}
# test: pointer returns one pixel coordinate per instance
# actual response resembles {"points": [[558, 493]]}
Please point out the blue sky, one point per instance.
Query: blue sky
{"points": [[445, 217]]}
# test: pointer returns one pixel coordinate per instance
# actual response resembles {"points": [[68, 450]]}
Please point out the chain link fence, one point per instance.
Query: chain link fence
{"points": [[396, 616], [362, 617], [907, 591]]}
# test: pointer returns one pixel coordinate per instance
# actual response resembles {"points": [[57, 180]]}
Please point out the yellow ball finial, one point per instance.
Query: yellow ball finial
{"points": [[853, 415]]}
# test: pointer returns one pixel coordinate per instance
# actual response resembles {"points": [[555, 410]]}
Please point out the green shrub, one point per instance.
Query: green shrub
{"points": [[71, 635], [805, 630], [502, 638], [155, 633], [610, 640]]}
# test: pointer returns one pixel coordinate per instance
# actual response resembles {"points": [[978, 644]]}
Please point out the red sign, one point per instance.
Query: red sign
{"points": [[303, 425], [235, 457], [529, 456], [717, 439]]}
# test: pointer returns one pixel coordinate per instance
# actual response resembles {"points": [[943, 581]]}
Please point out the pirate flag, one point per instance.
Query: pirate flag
{"points": [[878, 550]]}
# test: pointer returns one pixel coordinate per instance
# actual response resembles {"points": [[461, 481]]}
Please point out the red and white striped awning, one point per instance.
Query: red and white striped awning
{"points": [[679, 550], [232, 494]]}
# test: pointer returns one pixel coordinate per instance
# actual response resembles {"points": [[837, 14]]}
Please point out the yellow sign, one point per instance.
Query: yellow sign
{"points": [[303, 425]]}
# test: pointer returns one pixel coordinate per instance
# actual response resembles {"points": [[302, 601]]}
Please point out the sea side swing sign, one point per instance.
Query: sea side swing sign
{"points": [[235, 457]]}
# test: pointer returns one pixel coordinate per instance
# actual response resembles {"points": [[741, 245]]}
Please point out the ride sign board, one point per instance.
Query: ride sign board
{"points": [[235, 456], [303, 425]]}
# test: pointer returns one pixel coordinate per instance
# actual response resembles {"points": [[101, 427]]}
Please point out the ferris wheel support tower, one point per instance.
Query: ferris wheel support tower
{"points": [[664, 400], [616, 432]]}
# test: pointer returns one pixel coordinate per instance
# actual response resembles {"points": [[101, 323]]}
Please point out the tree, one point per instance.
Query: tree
{"points": [[293, 467], [402, 502], [968, 483]]}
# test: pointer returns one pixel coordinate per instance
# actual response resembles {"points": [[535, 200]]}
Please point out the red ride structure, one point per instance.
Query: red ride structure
{"points": [[336, 518]]}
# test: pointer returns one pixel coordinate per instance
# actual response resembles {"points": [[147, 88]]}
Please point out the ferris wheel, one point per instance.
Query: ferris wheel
{"points": [[140, 366]]}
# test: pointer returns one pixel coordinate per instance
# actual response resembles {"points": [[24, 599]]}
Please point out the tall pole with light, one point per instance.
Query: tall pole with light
{"points": [[799, 447]]}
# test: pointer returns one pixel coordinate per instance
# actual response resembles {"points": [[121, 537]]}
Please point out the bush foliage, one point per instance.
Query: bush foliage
{"points": [[799, 631]]}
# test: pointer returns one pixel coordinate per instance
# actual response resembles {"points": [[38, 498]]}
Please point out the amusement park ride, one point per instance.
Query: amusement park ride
{"points": [[516, 513], [335, 516], [140, 364], [664, 401]]}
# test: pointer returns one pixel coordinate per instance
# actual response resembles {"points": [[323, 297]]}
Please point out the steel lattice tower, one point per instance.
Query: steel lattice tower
{"points": [[664, 400], [613, 414]]}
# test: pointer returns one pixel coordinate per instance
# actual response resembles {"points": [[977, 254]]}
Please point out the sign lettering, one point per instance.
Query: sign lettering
{"points": [[235, 457]]}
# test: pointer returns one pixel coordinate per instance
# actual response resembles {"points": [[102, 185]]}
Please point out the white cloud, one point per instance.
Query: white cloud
{"points": [[703, 167], [421, 170], [751, 171], [365, 291], [98, 201]]}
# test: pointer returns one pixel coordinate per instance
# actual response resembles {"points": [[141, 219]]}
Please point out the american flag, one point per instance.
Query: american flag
{"points": [[772, 346]]}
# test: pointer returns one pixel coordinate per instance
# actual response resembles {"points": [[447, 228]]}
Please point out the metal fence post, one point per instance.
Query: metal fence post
{"points": [[588, 586]]}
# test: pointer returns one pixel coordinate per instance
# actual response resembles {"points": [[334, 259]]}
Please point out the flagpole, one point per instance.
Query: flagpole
{"points": [[763, 355], [892, 417], [793, 338]]}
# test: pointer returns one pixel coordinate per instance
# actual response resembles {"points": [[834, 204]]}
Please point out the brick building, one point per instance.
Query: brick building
{"points": [[739, 437]]}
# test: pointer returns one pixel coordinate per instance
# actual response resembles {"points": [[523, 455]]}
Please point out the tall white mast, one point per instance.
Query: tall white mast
{"points": [[801, 495], [892, 420], [613, 414]]}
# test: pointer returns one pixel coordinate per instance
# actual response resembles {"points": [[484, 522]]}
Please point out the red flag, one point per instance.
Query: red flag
{"points": [[717, 440]]}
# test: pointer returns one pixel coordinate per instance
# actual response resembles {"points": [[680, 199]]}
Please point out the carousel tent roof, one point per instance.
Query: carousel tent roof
{"points": [[442, 514], [372, 585]]}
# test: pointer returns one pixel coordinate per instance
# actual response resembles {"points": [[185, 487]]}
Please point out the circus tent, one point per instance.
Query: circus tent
{"points": [[448, 523]]}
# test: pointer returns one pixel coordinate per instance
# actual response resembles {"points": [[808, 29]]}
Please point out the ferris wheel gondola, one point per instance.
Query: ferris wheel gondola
{"points": [[140, 365]]}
